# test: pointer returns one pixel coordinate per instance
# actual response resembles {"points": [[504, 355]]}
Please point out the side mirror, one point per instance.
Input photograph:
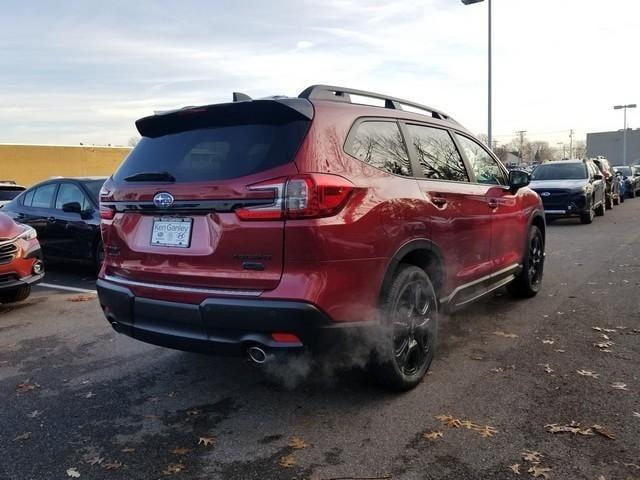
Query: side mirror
{"points": [[518, 179], [598, 176], [72, 207]]}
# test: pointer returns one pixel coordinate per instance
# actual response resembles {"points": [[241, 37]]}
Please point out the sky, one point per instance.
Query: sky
{"points": [[84, 71]]}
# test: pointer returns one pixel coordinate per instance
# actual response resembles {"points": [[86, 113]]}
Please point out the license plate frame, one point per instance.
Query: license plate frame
{"points": [[173, 227]]}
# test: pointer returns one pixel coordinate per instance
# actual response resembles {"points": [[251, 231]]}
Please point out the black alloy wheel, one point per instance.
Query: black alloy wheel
{"points": [[411, 313], [529, 281]]}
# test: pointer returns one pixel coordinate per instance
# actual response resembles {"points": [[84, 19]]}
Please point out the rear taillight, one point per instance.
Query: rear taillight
{"points": [[301, 196], [107, 213], [315, 196]]}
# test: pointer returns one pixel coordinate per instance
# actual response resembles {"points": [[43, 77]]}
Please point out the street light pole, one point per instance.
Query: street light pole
{"points": [[490, 71], [624, 131]]}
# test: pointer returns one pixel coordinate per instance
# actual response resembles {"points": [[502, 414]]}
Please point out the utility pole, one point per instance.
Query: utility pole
{"points": [[570, 143], [624, 131], [521, 133]]}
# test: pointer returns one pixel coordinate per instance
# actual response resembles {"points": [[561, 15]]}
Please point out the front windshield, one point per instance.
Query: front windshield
{"points": [[560, 171]]}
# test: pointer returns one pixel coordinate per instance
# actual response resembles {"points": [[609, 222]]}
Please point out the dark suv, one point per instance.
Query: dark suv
{"points": [[570, 188], [612, 194], [282, 224]]}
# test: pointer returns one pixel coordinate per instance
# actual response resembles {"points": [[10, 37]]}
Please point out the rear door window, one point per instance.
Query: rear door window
{"points": [[43, 196], [380, 144], [437, 155], [9, 193], [69, 193], [218, 153]]}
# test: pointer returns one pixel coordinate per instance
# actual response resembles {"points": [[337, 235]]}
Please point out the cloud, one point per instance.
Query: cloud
{"points": [[90, 73]]}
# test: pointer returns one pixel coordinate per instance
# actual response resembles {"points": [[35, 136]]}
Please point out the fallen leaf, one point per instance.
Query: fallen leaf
{"points": [[173, 468], [23, 436], [35, 414], [128, 450], [560, 351], [287, 461], [297, 443], [206, 441], [500, 333], [95, 460], [486, 431], [497, 370], [531, 456], [587, 373], [193, 413], [636, 414], [180, 451], [537, 471], [432, 435], [573, 428], [515, 468], [600, 329], [112, 465], [26, 386], [548, 342], [171, 394], [547, 368], [73, 473], [82, 298], [603, 431], [89, 395], [619, 386], [604, 345]]}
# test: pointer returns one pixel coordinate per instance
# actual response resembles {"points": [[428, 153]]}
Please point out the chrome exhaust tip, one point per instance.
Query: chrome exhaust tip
{"points": [[257, 355]]}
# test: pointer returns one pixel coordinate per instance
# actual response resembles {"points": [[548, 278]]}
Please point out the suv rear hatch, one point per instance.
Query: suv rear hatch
{"points": [[171, 212]]}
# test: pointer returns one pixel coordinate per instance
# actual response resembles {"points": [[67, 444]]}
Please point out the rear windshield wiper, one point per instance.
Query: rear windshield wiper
{"points": [[150, 177]]}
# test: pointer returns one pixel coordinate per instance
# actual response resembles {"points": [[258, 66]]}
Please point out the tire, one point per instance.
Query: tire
{"points": [[406, 346], [616, 200], [98, 255], [609, 202], [16, 294], [527, 284], [600, 210], [587, 218]]}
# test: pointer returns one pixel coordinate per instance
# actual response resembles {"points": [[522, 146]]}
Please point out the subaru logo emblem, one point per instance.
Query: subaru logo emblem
{"points": [[545, 194], [163, 200]]}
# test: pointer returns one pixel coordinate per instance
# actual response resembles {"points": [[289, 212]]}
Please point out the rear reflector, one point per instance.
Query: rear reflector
{"points": [[107, 213], [285, 337]]}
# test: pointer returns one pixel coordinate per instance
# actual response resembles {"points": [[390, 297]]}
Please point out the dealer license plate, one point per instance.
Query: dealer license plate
{"points": [[171, 232]]}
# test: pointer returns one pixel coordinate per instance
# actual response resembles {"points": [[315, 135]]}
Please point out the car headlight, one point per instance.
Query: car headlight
{"points": [[29, 233]]}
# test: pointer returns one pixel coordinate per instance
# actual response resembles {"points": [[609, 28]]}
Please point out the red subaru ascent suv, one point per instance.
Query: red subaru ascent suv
{"points": [[282, 224]]}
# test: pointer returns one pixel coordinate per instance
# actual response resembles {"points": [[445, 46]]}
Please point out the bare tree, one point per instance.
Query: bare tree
{"points": [[133, 141]]}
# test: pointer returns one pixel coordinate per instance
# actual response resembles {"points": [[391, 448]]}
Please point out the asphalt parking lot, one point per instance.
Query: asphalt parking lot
{"points": [[547, 387]]}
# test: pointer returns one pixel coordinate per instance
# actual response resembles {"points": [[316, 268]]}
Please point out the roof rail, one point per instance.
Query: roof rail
{"points": [[341, 94]]}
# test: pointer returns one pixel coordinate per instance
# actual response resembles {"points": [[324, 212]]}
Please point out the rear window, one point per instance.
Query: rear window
{"points": [[9, 193], [218, 153], [568, 171]]}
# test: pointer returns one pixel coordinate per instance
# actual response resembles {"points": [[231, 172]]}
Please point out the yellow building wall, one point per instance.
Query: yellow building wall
{"points": [[29, 164]]}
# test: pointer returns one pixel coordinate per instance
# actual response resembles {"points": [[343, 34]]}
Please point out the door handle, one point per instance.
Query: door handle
{"points": [[493, 203], [51, 219], [439, 201]]}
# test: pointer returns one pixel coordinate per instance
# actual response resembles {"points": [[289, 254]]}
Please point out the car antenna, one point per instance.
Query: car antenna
{"points": [[241, 97]]}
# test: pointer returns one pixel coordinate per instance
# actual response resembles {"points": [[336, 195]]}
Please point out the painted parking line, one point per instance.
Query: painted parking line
{"points": [[68, 289]]}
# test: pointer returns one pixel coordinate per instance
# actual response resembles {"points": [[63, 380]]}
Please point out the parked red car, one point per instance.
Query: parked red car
{"points": [[280, 224], [20, 260]]}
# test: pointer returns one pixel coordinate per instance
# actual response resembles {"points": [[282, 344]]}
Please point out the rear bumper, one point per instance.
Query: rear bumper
{"points": [[221, 326]]}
